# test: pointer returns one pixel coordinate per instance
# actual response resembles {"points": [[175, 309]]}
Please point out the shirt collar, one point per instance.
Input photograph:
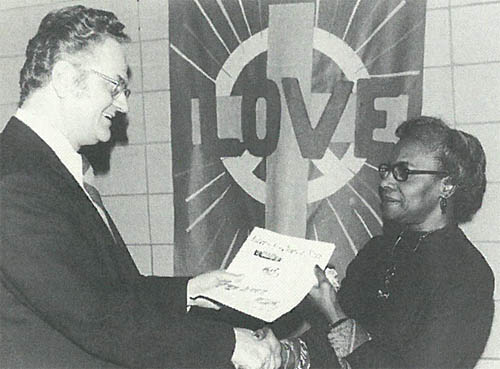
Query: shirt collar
{"points": [[56, 141]]}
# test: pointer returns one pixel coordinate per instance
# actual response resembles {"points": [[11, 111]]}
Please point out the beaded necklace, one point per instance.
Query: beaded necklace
{"points": [[385, 292]]}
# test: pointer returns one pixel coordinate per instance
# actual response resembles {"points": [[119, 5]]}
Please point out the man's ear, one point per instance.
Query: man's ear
{"points": [[447, 187], [63, 78]]}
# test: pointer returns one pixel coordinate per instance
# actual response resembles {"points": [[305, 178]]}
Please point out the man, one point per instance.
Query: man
{"points": [[70, 294]]}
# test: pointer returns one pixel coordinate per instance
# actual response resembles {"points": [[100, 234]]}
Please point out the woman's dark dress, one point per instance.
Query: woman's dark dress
{"points": [[439, 310]]}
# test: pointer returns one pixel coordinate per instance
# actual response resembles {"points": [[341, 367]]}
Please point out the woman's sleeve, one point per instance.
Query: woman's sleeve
{"points": [[351, 295], [346, 336], [311, 350]]}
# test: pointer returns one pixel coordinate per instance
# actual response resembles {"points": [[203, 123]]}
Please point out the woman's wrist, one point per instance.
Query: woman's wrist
{"points": [[335, 314], [294, 354], [337, 323], [286, 354]]}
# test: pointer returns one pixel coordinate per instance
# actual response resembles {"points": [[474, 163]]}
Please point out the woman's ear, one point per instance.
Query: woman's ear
{"points": [[447, 187]]}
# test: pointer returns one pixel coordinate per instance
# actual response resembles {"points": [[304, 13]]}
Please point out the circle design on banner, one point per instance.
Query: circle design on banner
{"points": [[335, 172]]}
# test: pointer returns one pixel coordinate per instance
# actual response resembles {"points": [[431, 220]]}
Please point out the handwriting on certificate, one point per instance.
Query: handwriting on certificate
{"points": [[282, 248], [277, 274]]}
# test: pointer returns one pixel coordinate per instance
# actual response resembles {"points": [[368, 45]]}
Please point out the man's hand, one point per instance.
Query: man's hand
{"points": [[325, 298], [198, 285], [256, 352]]}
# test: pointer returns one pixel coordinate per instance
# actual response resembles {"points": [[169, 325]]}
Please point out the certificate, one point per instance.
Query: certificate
{"points": [[277, 272]]}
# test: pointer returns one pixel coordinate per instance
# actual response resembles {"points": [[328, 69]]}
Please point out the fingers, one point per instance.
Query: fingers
{"points": [[275, 347], [204, 303], [201, 283], [269, 364], [272, 362], [320, 275], [331, 338], [252, 352], [260, 334], [273, 359], [225, 273], [222, 275]]}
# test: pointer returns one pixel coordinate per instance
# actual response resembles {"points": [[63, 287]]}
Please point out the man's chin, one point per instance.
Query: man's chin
{"points": [[104, 136]]}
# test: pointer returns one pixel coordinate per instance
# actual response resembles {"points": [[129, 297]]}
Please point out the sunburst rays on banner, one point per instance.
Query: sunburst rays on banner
{"points": [[219, 47]]}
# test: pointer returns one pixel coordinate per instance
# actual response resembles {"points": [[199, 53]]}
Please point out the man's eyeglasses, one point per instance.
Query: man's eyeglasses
{"points": [[119, 85], [400, 172]]}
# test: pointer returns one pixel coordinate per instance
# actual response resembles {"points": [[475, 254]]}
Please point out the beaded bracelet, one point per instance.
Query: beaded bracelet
{"points": [[294, 354]]}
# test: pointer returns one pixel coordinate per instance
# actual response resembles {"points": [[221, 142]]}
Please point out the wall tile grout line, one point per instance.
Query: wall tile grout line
{"points": [[462, 65], [479, 123], [155, 39], [478, 3], [141, 63], [136, 194], [452, 69], [166, 244], [36, 5]]}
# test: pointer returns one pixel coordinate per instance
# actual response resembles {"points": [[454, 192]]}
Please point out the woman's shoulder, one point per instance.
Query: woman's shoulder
{"points": [[473, 259], [373, 253], [451, 255], [375, 245]]}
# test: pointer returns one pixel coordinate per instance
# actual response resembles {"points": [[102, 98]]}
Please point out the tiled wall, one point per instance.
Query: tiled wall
{"points": [[137, 190], [461, 84]]}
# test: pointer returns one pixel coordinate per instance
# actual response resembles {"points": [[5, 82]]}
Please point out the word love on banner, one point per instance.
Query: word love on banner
{"points": [[370, 134], [281, 112]]}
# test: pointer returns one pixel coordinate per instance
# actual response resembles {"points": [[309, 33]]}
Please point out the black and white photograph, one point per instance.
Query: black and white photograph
{"points": [[249, 184]]}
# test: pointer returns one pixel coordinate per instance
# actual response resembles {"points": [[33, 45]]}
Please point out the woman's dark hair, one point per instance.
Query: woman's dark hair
{"points": [[66, 31], [459, 153]]}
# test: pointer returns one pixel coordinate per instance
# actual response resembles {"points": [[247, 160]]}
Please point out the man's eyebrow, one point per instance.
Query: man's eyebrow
{"points": [[404, 162]]}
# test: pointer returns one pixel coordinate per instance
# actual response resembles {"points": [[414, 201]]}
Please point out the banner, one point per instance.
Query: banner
{"points": [[281, 112]]}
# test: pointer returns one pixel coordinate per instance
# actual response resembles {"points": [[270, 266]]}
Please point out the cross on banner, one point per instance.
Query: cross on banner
{"points": [[281, 111]]}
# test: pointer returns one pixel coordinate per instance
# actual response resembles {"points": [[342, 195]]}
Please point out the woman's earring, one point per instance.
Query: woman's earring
{"points": [[443, 203]]}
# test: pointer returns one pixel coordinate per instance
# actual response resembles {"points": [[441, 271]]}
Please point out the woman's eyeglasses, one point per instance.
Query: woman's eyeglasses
{"points": [[400, 172], [119, 85]]}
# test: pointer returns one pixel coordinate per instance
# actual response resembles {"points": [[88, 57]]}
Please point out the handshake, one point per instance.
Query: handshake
{"points": [[259, 350]]}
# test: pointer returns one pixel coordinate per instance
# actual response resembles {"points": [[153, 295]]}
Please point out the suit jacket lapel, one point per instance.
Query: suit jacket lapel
{"points": [[38, 156], [24, 150]]}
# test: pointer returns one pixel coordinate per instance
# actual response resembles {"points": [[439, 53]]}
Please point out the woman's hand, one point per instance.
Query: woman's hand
{"points": [[324, 297]]}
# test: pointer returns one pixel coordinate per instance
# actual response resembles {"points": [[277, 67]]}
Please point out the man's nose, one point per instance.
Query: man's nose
{"points": [[121, 102], [388, 180]]}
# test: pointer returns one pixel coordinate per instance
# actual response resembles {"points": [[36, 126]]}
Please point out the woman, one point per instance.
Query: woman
{"points": [[420, 295]]}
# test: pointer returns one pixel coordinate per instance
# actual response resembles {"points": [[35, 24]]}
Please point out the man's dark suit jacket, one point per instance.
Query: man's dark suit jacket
{"points": [[70, 297]]}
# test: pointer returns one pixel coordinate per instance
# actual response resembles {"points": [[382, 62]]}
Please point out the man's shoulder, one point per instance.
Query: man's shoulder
{"points": [[21, 149], [16, 132], [13, 138]]}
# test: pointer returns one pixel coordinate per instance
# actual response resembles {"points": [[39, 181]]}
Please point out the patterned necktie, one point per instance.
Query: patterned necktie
{"points": [[91, 190], [95, 196]]}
